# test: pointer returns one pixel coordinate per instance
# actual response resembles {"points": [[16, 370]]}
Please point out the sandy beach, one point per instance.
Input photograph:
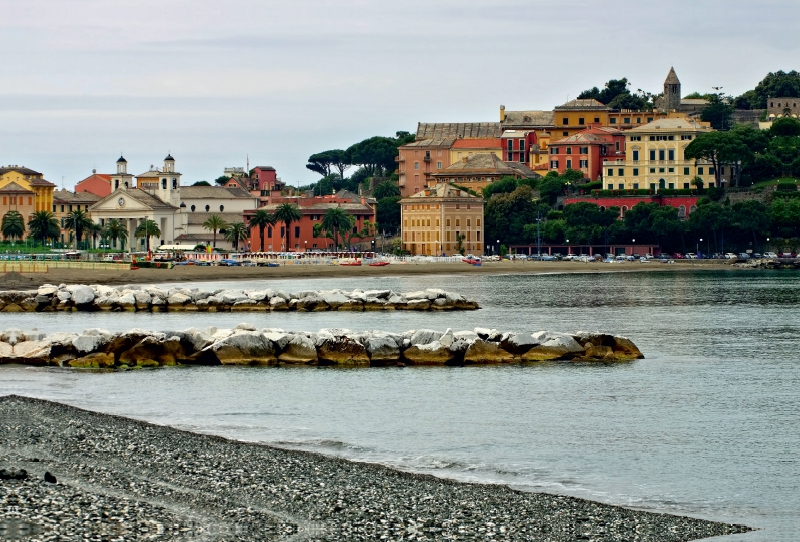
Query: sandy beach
{"points": [[71, 474], [125, 275]]}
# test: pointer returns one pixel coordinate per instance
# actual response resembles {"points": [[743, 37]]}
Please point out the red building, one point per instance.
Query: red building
{"points": [[587, 151], [261, 183], [97, 183], [685, 204], [312, 209]]}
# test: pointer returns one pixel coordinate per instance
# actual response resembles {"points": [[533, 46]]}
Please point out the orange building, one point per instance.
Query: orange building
{"points": [[96, 183], [478, 171], [419, 160]]}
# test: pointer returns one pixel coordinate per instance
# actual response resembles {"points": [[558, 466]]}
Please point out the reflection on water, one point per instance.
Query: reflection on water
{"points": [[706, 425]]}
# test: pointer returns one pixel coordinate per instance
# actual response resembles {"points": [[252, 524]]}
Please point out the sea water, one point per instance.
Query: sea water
{"points": [[707, 425]]}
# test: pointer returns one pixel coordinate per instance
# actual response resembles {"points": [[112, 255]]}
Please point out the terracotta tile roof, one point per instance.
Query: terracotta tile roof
{"points": [[24, 170], [528, 119], [65, 196], [441, 190], [40, 182], [197, 218], [587, 103], [455, 130], [319, 207], [145, 198], [580, 137], [443, 143], [486, 163], [662, 125], [482, 143]]}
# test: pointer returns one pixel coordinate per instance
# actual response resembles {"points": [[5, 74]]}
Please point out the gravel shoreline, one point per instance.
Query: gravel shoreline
{"points": [[122, 479]]}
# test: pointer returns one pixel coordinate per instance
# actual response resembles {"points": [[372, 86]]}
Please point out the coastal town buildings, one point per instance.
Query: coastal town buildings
{"points": [[302, 234], [64, 203], [25, 190], [655, 158], [588, 151], [463, 148], [96, 183], [442, 219], [478, 171], [418, 161]]}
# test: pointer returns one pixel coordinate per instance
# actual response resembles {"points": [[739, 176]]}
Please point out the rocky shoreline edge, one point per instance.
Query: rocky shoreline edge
{"points": [[113, 478], [247, 344], [98, 297]]}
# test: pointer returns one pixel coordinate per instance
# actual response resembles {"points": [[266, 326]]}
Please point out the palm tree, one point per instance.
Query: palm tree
{"points": [[237, 232], [287, 213], [213, 224], [114, 229], [386, 189], [261, 219], [147, 228], [94, 230], [13, 225], [44, 225], [78, 221], [336, 220]]}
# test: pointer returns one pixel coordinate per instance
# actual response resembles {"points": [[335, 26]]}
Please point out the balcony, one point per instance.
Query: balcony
{"points": [[399, 159], [427, 159]]}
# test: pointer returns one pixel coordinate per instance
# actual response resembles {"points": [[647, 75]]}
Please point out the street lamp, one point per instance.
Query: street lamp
{"points": [[498, 246], [568, 250], [698, 247], [305, 244], [633, 242]]}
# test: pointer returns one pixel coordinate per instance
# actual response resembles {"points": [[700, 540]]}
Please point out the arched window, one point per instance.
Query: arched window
{"points": [[221, 208], [164, 184], [174, 183], [208, 208], [682, 211], [126, 184], [693, 208], [602, 207], [623, 211], [192, 208], [116, 184]]}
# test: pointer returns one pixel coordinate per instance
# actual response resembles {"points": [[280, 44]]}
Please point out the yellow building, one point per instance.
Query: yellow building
{"points": [[434, 219], [655, 158], [36, 188], [464, 148]]}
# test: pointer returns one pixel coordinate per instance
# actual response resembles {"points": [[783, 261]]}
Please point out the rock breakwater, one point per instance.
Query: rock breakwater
{"points": [[247, 344], [97, 297]]}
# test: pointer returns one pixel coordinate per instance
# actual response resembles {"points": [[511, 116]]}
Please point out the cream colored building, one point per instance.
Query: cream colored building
{"points": [[655, 158], [435, 218]]}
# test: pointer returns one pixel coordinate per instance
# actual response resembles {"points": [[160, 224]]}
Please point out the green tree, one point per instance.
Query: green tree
{"points": [[751, 216], [214, 223], [221, 180], [719, 148], [551, 186], [718, 113], [287, 213], [43, 225], [261, 219], [376, 155], [505, 215], [13, 225], [116, 230], [202, 183], [388, 213], [775, 85], [78, 221], [94, 231], [504, 185], [145, 230], [237, 232], [335, 220], [611, 90], [386, 189]]}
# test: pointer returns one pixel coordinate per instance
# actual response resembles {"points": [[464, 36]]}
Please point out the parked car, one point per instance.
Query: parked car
{"points": [[643, 260], [678, 256], [609, 260], [770, 255], [691, 256], [548, 258], [744, 256], [631, 258], [787, 255], [622, 258], [731, 255]]}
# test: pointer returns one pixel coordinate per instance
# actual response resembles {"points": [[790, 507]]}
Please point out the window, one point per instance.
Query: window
{"points": [[584, 150], [711, 170], [448, 225], [636, 186], [635, 156], [686, 171], [616, 144], [208, 207], [671, 154], [565, 133], [438, 165], [652, 186], [554, 164], [611, 187], [458, 222], [192, 208], [682, 211], [627, 120], [522, 156], [580, 121], [721, 172], [711, 185], [652, 170], [638, 120], [221, 208], [700, 170], [569, 150], [652, 155], [569, 164], [553, 150], [671, 170], [661, 170], [584, 163], [613, 120], [269, 232], [635, 171], [510, 145], [522, 144], [611, 172], [686, 137], [621, 172], [54, 207], [416, 165], [565, 121], [636, 138], [649, 119], [621, 186], [661, 154], [671, 186]]}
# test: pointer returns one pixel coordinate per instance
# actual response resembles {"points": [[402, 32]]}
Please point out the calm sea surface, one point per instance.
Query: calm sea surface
{"points": [[707, 425]]}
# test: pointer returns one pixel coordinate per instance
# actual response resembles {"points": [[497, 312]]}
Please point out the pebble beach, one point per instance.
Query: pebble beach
{"points": [[114, 478]]}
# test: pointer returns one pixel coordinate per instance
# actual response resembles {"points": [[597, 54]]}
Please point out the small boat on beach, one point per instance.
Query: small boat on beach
{"points": [[351, 263], [379, 264]]}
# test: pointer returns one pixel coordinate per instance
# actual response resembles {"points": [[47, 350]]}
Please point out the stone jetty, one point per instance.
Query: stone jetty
{"points": [[97, 297], [249, 345]]}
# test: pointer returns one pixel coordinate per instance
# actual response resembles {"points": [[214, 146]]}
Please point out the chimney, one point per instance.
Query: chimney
{"points": [[502, 113], [363, 200], [464, 159]]}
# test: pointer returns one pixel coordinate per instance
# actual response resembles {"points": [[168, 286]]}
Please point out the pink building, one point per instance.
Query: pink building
{"points": [[97, 183], [587, 151]]}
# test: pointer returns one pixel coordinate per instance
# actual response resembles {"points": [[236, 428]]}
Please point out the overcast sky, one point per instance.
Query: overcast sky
{"points": [[214, 81]]}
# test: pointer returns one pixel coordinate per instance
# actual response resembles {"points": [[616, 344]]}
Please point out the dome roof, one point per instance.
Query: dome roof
{"points": [[122, 160], [169, 158]]}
